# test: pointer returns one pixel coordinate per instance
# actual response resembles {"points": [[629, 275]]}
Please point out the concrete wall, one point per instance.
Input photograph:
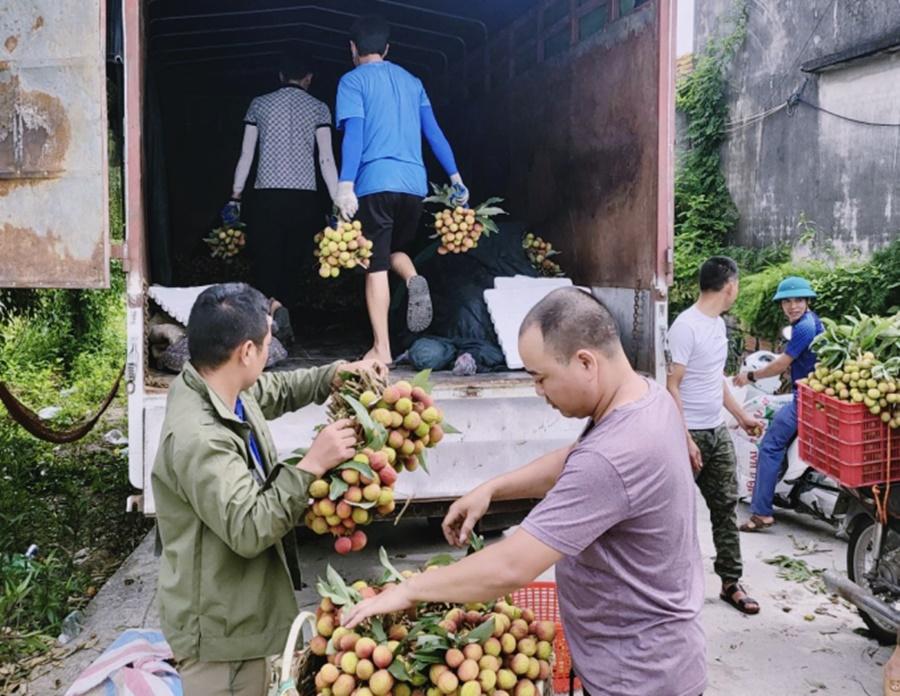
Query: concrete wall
{"points": [[841, 177]]}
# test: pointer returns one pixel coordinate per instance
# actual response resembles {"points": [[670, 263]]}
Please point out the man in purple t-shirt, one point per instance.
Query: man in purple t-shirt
{"points": [[617, 516]]}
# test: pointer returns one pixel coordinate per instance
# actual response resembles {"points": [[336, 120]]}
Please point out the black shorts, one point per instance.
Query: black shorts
{"points": [[391, 221]]}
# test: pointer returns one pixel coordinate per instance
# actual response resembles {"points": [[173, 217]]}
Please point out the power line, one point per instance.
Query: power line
{"points": [[796, 61], [736, 125], [843, 117]]}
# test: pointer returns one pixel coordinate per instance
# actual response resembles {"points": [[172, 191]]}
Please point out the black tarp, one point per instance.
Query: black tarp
{"points": [[457, 283]]}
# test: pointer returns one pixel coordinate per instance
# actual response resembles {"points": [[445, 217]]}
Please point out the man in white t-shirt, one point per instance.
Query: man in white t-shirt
{"points": [[699, 349]]}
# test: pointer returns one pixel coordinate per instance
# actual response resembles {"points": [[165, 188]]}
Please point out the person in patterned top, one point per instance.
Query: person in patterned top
{"points": [[287, 127]]}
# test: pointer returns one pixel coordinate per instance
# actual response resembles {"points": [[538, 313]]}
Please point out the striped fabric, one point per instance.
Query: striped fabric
{"points": [[134, 665]]}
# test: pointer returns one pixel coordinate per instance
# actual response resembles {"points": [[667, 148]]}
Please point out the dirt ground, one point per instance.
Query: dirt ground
{"points": [[802, 642]]}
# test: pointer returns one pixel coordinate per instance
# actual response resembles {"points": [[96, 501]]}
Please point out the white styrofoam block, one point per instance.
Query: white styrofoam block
{"points": [[176, 302], [518, 281], [508, 308]]}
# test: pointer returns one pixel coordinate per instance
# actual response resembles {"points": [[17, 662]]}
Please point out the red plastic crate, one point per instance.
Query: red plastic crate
{"points": [[540, 597], [845, 441]]}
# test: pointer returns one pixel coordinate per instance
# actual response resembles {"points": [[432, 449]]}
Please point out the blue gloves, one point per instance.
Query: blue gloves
{"points": [[231, 213], [459, 194]]}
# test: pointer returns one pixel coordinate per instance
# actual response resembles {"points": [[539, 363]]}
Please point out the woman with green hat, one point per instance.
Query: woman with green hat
{"points": [[794, 293]]}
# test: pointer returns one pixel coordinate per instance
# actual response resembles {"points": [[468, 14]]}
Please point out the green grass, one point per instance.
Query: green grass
{"points": [[60, 348]]}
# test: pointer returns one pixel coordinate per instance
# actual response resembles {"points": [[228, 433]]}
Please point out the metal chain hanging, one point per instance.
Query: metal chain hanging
{"points": [[636, 325]]}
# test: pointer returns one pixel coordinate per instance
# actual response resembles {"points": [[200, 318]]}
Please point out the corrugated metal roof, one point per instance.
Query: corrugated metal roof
{"points": [[247, 36]]}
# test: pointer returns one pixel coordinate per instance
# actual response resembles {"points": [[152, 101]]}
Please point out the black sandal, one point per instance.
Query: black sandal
{"points": [[745, 605]]}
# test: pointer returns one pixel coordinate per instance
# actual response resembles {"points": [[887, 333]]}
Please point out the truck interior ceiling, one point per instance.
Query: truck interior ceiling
{"points": [[551, 104]]}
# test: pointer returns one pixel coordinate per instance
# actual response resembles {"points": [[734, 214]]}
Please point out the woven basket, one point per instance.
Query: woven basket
{"points": [[294, 671]]}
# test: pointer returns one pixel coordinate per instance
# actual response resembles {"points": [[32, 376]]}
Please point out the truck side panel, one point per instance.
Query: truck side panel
{"points": [[577, 139], [502, 428], [53, 140]]}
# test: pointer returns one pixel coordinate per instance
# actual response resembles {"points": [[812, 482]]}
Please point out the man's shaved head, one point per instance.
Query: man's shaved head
{"points": [[570, 320]]}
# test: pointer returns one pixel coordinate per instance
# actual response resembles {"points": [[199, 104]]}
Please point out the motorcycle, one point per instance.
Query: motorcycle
{"points": [[868, 517], [800, 487], [873, 560]]}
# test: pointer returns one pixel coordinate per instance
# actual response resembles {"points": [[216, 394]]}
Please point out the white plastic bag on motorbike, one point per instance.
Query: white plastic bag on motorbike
{"points": [[758, 404]]}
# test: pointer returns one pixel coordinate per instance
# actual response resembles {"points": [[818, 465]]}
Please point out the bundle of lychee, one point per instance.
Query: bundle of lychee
{"points": [[395, 424], [435, 650], [539, 252], [342, 247], [227, 241], [859, 362], [458, 228]]}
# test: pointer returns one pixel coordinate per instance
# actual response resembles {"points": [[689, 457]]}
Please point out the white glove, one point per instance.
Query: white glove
{"points": [[459, 194], [345, 200]]}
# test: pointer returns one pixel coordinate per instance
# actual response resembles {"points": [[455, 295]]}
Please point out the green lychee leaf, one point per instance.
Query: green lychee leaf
{"points": [[326, 590], [442, 559], [340, 588], [379, 437], [423, 462], [378, 632], [388, 566], [431, 641], [417, 678], [364, 504], [423, 380], [338, 487], [398, 670], [480, 634], [476, 542], [362, 416], [296, 456], [426, 659], [449, 429], [363, 469]]}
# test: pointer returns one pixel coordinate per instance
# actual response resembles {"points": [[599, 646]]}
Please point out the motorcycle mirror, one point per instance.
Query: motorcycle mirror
{"points": [[787, 332]]}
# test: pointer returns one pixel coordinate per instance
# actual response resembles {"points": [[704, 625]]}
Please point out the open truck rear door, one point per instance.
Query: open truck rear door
{"points": [[53, 144]]}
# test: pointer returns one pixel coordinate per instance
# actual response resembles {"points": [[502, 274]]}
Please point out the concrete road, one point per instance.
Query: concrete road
{"points": [[802, 642]]}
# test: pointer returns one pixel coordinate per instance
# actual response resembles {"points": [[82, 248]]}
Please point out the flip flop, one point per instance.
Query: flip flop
{"points": [[755, 524], [418, 310], [745, 605]]}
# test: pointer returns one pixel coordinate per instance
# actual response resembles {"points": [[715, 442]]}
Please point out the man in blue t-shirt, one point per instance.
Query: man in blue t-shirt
{"points": [[794, 294], [384, 111]]}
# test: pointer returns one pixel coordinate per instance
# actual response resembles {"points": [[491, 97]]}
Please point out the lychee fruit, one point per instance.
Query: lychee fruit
{"points": [[468, 671], [365, 647], [448, 682], [382, 657], [470, 688], [343, 545], [358, 540], [319, 488], [329, 674], [506, 679], [344, 685], [381, 682]]}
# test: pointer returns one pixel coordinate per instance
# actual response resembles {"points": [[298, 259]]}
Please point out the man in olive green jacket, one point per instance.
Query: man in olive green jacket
{"points": [[223, 501]]}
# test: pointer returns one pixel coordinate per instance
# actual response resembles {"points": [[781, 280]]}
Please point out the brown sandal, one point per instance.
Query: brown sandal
{"points": [[745, 605], [755, 524]]}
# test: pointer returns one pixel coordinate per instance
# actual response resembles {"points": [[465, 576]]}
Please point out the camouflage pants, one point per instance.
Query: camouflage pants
{"points": [[717, 481]]}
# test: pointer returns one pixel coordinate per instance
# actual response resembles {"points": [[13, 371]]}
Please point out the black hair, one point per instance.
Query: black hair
{"points": [[716, 272], [571, 320], [224, 317], [296, 64], [370, 33]]}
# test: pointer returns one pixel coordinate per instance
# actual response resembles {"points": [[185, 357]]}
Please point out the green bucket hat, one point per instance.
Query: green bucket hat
{"points": [[793, 286]]}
